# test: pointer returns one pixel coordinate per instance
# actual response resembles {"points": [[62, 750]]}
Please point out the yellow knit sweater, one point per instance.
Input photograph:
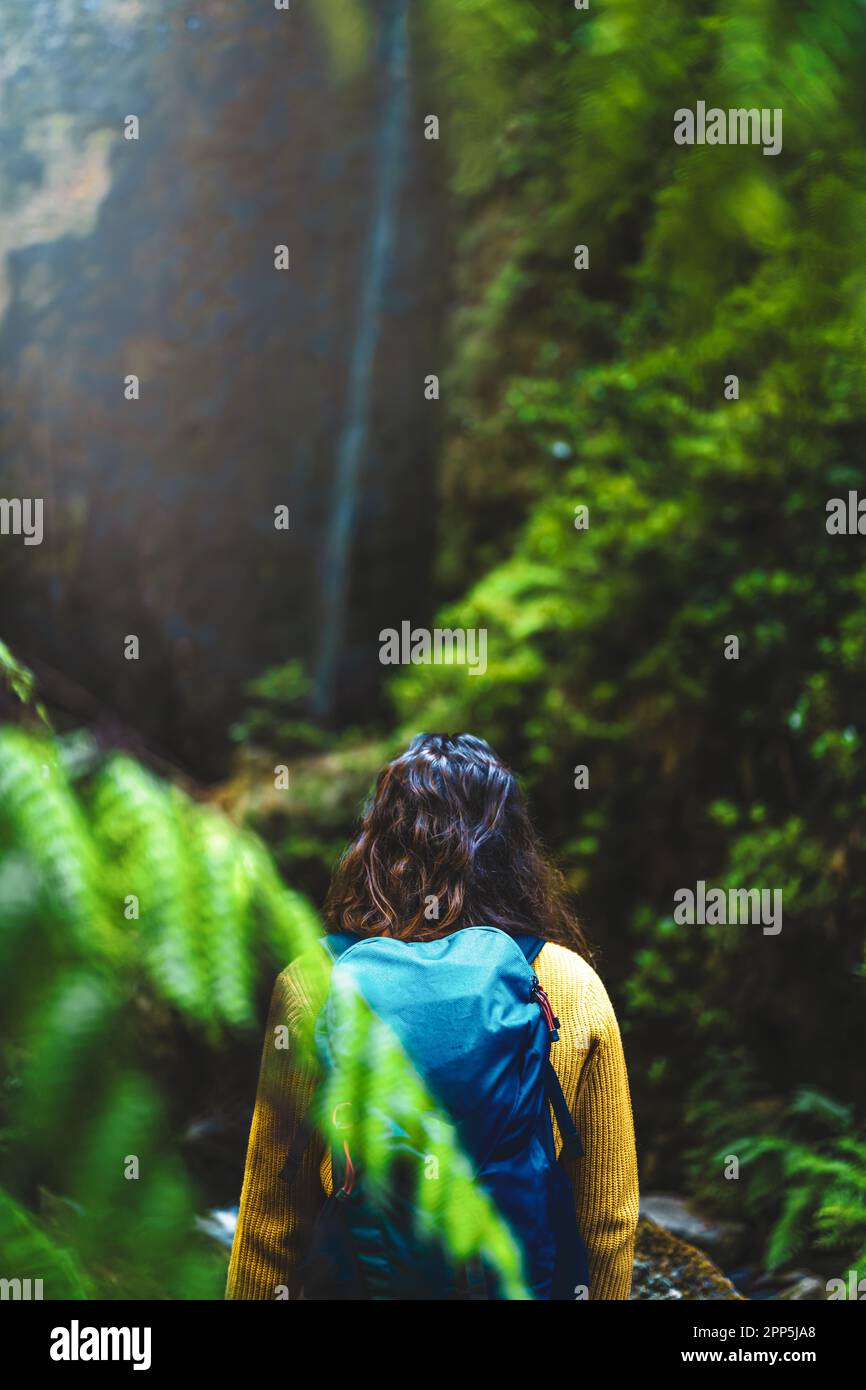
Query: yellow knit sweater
{"points": [[276, 1218]]}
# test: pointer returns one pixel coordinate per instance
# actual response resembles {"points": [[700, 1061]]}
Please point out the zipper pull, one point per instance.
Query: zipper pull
{"points": [[544, 1004]]}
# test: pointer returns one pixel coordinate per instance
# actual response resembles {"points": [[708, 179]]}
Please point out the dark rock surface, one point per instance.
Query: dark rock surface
{"points": [[156, 257], [678, 1215]]}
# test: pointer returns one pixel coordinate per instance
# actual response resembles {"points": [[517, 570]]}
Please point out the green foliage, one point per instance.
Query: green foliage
{"points": [[134, 921], [33, 1254], [479, 48], [275, 715], [19, 682], [86, 975], [806, 1180], [604, 388], [601, 388]]}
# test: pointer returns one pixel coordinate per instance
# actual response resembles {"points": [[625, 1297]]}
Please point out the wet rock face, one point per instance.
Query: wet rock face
{"points": [[678, 1215], [156, 257], [666, 1267]]}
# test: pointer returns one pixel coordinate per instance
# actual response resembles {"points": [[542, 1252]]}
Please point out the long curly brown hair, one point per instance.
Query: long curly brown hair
{"points": [[446, 842]]}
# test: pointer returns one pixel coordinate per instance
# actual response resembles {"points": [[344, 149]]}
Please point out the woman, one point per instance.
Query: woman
{"points": [[446, 843]]}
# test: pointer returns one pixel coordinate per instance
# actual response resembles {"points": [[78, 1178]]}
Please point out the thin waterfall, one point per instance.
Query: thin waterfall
{"points": [[389, 164]]}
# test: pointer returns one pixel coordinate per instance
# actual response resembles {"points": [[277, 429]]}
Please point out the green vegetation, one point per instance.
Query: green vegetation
{"points": [[123, 906], [807, 1182], [601, 388], [133, 918], [605, 388]]}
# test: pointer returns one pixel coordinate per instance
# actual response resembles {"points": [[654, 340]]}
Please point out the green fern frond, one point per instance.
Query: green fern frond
{"points": [[39, 816], [818, 1106], [146, 826], [212, 911], [30, 1253], [788, 1232]]}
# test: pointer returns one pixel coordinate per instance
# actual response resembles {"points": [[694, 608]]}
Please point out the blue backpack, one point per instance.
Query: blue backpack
{"points": [[469, 1013]]}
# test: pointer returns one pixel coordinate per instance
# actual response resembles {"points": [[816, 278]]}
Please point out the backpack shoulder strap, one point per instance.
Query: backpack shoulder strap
{"points": [[530, 946], [571, 1146]]}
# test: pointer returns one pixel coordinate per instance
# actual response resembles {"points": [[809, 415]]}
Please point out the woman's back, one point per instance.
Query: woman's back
{"points": [[445, 843]]}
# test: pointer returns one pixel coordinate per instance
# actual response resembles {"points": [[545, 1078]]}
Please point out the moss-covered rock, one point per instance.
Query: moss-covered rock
{"points": [[667, 1267]]}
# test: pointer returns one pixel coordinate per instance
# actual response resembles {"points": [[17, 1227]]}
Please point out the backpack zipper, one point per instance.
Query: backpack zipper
{"points": [[349, 1180], [546, 1007]]}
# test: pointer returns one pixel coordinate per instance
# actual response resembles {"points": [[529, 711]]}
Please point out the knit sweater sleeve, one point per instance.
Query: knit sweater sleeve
{"points": [[276, 1217], [590, 1063]]}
